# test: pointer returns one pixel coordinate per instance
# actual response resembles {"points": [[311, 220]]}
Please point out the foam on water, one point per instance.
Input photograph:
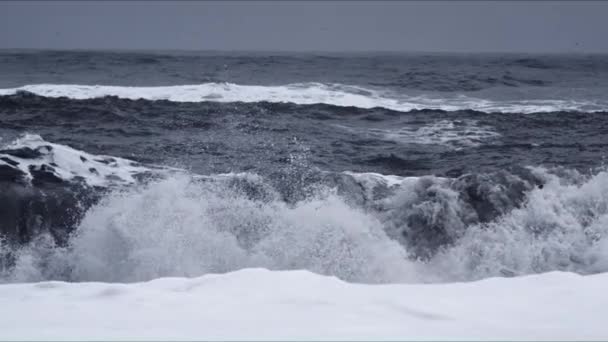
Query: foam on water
{"points": [[563, 226], [67, 163], [183, 227], [371, 179], [178, 227], [309, 93], [189, 225], [456, 134]]}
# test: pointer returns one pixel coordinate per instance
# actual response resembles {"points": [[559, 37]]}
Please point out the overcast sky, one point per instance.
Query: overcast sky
{"points": [[521, 26]]}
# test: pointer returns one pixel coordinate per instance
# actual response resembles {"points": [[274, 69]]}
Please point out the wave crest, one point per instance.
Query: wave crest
{"points": [[180, 227], [310, 93], [398, 230], [363, 227]]}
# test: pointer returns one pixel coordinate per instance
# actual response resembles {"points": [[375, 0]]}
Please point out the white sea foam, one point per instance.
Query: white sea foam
{"points": [[461, 133], [308, 93], [68, 163], [563, 226], [371, 179], [455, 134], [181, 225]]}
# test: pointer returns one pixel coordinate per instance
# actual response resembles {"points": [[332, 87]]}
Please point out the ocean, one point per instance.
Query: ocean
{"points": [[373, 167]]}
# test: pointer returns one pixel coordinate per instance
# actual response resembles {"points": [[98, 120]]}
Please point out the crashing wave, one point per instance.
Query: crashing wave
{"points": [[363, 227], [47, 187], [309, 93]]}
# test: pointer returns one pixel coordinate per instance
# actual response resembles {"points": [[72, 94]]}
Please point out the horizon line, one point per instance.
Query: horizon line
{"points": [[312, 51]]}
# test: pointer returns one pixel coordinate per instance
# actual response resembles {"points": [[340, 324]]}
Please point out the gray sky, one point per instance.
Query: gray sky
{"points": [[572, 26]]}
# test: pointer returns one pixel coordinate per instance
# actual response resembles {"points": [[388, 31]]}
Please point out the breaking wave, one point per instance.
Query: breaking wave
{"points": [[311, 93], [361, 227]]}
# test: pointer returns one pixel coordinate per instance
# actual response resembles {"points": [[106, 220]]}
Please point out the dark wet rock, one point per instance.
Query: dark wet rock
{"points": [[9, 161], [43, 174], [27, 152], [106, 161], [23, 152], [27, 210], [40, 202], [10, 174]]}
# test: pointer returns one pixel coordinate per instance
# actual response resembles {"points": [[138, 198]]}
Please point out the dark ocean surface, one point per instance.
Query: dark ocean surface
{"points": [[124, 166]]}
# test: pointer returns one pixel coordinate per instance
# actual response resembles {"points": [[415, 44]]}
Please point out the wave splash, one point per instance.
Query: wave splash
{"points": [[563, 226], [360, 227], [310, 93], [181, 227]]}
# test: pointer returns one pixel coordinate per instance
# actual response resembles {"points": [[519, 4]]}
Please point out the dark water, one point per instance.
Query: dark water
{"points": [[506, 148]]}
